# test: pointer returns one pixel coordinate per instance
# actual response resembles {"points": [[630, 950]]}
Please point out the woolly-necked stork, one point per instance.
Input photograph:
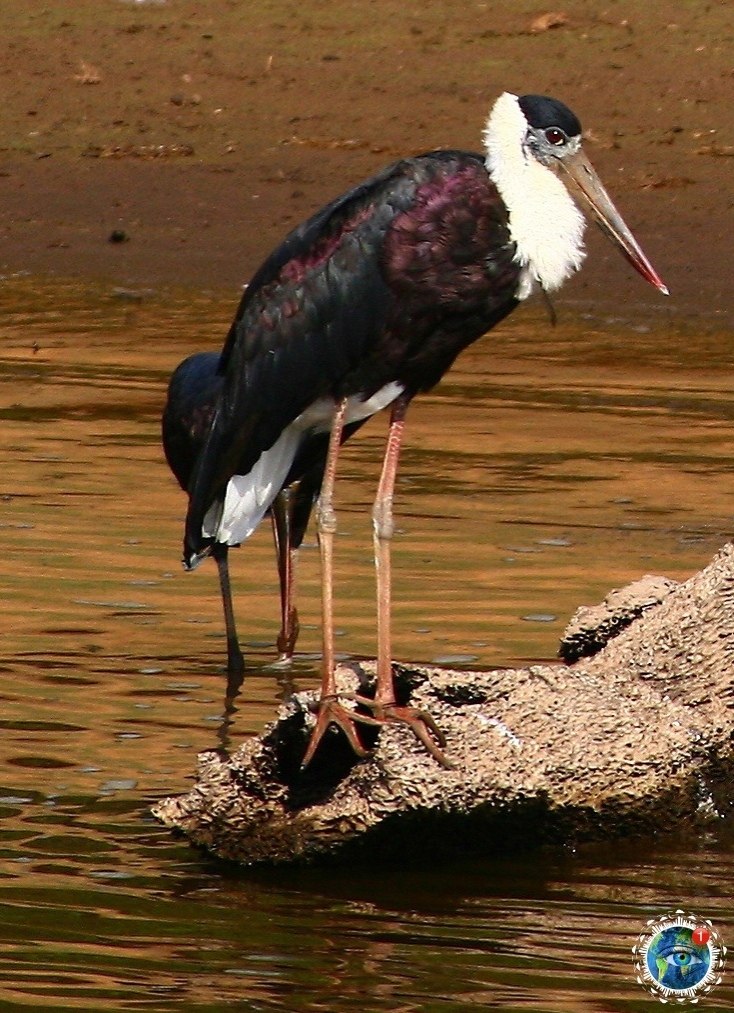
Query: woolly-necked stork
{"points": [[367, 304]]}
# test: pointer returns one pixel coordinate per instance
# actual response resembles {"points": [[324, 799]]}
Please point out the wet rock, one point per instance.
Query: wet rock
{"points": [[639, 737]]}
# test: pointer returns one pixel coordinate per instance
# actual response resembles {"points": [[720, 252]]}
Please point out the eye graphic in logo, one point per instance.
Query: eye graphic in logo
{"points": [[679, 957]]}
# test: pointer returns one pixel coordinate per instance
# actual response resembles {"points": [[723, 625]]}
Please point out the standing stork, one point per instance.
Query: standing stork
{"points": [[367, 304]]}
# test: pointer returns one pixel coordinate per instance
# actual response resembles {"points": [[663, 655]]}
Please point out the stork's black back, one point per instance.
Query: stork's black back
{"points": [[387, 283]]}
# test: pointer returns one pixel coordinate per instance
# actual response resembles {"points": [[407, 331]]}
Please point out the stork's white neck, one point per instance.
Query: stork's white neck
{"points": [[545, 224]]}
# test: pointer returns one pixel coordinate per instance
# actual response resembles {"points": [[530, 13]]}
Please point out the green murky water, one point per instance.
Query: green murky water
{"points": [[550, 466]]}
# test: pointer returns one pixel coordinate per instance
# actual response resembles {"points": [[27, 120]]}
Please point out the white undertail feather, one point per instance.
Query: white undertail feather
{"points": [[545, 223], [249, 497]]}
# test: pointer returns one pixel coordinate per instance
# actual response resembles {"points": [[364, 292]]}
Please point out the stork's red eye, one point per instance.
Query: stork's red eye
{"points": [[554, 135]]}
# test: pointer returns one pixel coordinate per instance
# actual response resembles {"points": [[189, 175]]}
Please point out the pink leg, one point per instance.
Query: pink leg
{"points": [[326, 526], [383, 527], [330, 711], [420, 722]]}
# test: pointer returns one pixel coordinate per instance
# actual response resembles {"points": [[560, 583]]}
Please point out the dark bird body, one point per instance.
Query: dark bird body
{"points": [[385, 285], [365, 305], [193, 393], [191, 403]]}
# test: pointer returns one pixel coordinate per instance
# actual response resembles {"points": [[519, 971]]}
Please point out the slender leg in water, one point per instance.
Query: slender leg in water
{"points": [[235, 660], [330, 711], [386, 708], [286, 555]]}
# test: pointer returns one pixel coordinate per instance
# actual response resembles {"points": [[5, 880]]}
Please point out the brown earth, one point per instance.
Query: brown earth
{"points": [[204, 130]]}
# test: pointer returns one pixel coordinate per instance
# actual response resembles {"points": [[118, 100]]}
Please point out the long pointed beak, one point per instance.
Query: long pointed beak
{"points": [[581, 171]]}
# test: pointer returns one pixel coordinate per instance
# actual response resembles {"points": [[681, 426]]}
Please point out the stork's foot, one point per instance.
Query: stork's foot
{"points": [[421, 724], [331, 712]]}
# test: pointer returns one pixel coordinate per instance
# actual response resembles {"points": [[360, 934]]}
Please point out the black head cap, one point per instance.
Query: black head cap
{"points": [[542, 112]]}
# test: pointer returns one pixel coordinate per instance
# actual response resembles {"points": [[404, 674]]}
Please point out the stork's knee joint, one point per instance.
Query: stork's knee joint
{"points": [[326, 519], [382, 519]]}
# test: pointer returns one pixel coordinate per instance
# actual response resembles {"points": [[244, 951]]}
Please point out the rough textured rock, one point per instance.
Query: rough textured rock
{"points": [[593, 626], [637, 737]]}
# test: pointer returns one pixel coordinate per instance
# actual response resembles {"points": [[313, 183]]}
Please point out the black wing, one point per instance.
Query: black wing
{"points": [[193, 390], [348, 302]]}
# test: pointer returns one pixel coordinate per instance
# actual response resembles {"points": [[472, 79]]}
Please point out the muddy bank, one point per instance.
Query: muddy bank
{"points": [[202, 135]]}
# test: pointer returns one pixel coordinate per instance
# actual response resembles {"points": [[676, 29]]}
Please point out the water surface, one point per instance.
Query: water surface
{"points": [[549, 467]]}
